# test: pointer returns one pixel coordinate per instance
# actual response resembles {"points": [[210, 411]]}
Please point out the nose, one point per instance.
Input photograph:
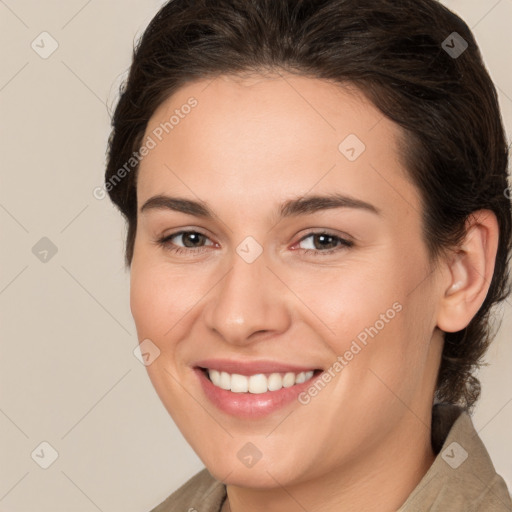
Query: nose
{"points": [[248, 303]]}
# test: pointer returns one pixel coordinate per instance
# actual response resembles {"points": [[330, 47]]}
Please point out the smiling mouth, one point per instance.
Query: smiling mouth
{"points": [[258, 383]]}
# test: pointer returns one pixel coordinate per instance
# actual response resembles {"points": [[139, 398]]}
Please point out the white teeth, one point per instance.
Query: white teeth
{"points": [[301, 377], [215, 376], [274, 382], [239, 383], [258, 383], [288, 380], [225, 381]]}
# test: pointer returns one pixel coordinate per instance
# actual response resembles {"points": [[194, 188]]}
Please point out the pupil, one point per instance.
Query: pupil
{"points": [[323, 238], [189, 236]]}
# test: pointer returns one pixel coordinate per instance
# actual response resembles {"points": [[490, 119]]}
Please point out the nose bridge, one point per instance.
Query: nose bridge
{"points": [[246, 299]]}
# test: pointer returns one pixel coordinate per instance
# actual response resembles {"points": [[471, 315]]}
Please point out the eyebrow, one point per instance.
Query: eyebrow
{"points": [[293, 207]]}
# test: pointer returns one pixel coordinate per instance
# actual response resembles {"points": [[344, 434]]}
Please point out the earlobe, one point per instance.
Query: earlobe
{"points": [[469, 273]]}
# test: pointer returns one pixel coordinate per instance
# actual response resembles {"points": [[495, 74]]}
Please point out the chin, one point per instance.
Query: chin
{"points": [[258, 477]]}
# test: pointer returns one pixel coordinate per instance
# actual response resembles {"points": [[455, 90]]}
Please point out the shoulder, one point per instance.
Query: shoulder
{"points": [[462, 477], [201, 493]]}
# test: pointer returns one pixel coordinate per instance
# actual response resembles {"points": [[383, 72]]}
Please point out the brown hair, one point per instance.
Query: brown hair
{"points": [[404, 56]]}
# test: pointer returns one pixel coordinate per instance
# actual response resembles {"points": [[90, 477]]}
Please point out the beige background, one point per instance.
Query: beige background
{"points": [[68, 374]]}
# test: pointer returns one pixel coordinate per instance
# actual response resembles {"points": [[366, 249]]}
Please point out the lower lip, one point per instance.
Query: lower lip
{"points": [[251, 405]]}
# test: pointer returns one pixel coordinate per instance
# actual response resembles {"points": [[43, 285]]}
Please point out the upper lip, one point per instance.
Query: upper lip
{"points": [[251, 367]]}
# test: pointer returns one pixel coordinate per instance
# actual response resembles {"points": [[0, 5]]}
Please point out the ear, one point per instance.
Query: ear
{"points": [[470, 271]]}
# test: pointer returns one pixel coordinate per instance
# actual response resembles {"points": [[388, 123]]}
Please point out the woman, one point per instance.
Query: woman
{"points": [[318, 228]]}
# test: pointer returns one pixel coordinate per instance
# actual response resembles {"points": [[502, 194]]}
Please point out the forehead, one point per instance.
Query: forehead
{"points": [[272, 135], [309, 108]]}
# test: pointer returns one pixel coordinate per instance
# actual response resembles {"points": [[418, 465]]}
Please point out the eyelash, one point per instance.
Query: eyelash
{"points": [[168, 245]]}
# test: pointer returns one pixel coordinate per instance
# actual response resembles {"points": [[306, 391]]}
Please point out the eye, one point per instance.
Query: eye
{"points": [[323, 243], [191, 240]]}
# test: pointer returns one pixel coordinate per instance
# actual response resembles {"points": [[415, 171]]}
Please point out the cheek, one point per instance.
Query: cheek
{"points": [[157, 309], [369, 316], [144, 301], [345, 300], [165, 300]]}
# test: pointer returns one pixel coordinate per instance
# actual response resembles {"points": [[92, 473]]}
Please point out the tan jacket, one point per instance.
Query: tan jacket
{"points": [[461, 479]]}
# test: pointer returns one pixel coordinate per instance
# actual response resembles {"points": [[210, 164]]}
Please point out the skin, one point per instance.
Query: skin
{"points": [[250, 144]]}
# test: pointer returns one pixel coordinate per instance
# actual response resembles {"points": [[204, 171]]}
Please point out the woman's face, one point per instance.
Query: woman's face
{"points": [[261, 283]]}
